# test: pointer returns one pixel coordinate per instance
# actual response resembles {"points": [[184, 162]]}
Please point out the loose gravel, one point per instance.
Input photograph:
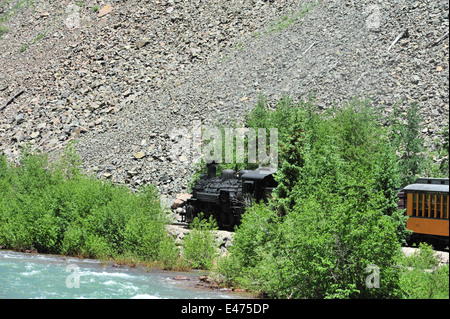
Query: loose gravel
{"points": [[130, 82]]}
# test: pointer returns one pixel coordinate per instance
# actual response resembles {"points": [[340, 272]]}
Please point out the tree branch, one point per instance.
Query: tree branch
{"points": [[14, 96]]}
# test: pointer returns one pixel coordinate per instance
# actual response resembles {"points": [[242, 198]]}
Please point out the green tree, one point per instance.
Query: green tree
{"points": [[410, 145], [337, 178]]}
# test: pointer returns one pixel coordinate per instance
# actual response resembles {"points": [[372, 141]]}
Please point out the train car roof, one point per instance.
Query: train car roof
{"points": [[441, 188], [431, 180], [258, 174]]}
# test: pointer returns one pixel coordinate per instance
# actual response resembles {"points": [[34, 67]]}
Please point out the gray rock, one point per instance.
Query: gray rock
{"points": [[20, 118]]}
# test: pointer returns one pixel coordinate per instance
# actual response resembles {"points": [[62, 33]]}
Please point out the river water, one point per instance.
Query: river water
{"points": [[40, 276]]}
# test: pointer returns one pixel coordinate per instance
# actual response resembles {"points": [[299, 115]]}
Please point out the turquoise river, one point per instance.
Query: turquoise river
{"points": [[40, 276]]}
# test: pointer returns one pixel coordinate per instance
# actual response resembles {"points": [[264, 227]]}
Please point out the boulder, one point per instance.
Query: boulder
{"points": [[180, 200]]}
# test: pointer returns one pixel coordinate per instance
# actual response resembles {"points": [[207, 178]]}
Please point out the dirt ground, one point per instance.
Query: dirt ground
{"points": [[442, 255]]}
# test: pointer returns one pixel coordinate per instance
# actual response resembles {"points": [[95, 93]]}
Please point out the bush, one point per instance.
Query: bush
{"points": [[199, 244], [169, 255], [421, 278], [53, 208], [252, 240], [320, 249], [405, 136]]}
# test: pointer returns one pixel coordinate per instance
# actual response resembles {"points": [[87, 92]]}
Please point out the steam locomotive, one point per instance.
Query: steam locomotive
{"points": [[226, 197]]}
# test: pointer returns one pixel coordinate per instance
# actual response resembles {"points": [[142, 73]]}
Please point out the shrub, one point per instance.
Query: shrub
{"points": [[405, 136], [199, 244], [169, 255], [73, 240], [54, 208], [421, 278], [253, 239], [320, 249]]}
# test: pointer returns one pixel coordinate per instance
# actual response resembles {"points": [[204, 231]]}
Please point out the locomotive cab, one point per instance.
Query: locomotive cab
{"points": [[258, 183]]}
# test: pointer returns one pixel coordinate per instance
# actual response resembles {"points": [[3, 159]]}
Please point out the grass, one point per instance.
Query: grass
{"points": [[287, 20], [23, 47], [3, 30], [278, 25], [283, 23], [17, 8], [39, 37], [422, 277]]}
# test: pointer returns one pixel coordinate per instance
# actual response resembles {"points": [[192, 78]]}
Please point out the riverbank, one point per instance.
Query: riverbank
{"points": [[34, 275], [51, 207], [193, 282]]}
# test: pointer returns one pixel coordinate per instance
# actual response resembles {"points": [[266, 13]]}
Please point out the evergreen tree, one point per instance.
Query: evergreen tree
{"points": [[412, 156]]}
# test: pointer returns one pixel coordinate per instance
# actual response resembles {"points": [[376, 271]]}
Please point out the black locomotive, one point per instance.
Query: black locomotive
{"points": [[226, 197]]}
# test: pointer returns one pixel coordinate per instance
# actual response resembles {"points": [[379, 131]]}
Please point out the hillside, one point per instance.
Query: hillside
{"points": [[121, 77]]}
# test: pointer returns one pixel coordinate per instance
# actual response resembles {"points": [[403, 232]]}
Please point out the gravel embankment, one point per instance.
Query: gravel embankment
{"points": [[122, 82]]}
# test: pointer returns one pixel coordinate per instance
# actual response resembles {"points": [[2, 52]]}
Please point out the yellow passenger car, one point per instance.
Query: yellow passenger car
{"points": [[427, 206]]}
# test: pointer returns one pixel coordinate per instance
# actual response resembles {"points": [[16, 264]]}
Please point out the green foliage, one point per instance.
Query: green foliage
{"points": [[169, 255], [320, 249], [424, 258], [25, 46], [54, 208], [443, 149], [258, 228], [199, 249], [18, 7], [3, 30], [250, 243], [411, 160], [405, 137], [288, 19], [289, 118], [334, 212], [421, 278]]}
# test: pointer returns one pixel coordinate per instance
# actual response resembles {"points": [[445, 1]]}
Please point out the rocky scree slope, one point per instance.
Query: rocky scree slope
{"points": [[122, 79]]}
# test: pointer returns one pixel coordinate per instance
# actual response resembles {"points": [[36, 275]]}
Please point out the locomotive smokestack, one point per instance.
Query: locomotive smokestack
{"points": [[211, 169]]}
